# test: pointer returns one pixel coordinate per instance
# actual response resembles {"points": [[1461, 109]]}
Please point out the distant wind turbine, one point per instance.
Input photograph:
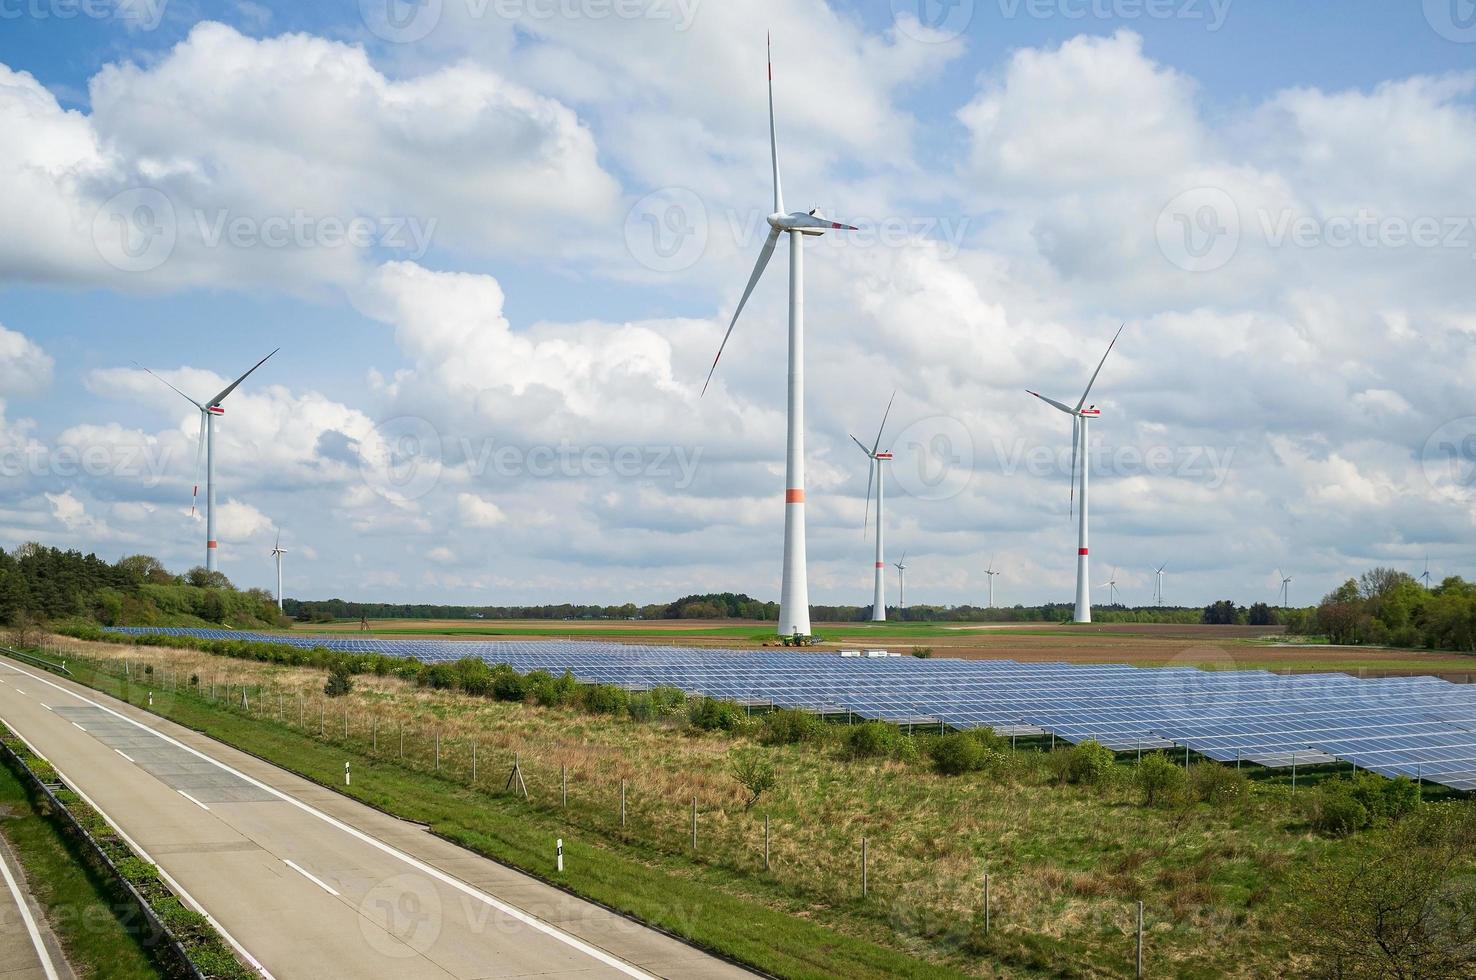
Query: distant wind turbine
{"points": [[1286, 581], [277, 552], [1425, 575], [206, 446], [794, 592], [901, 564], [1158, 588], [1080, 416], [1111, 584], [876, 475], [991, 573]]}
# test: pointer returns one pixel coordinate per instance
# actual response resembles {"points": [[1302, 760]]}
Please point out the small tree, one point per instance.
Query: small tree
{"points": [[1160, 779], [755, 773], [24, 633], [340, 681], [957, 753]]}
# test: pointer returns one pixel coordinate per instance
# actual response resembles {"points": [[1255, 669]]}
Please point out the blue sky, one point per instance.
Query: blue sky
{"points": [[1019, 175]]}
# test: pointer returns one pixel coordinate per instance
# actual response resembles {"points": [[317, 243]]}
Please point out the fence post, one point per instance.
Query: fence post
{"points": [[1140, 940], [986, 903], [694, 825], [374, 734], [438, 750], [622, 804], [766, 842], [321, 730], [474, 764], [345, 724], [564, 784], [863, 868], [402, 741]]}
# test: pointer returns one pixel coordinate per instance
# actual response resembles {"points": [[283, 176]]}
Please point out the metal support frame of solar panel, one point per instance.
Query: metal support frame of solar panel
{"points": [[1067, 699]]}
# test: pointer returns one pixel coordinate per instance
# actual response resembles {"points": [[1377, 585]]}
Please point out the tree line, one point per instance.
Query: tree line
{"points": [[1387, 607]]}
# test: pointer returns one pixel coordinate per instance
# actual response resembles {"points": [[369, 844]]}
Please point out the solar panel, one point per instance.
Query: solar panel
{"points": [[1421, 727]]}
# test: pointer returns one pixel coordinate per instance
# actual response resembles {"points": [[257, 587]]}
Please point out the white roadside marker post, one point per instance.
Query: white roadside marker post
{"points": [[559, 851], [347, 778]]}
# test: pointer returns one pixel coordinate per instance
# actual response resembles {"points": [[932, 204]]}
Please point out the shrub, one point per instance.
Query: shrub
{"points": [[508, 685], [605, 699], [754, 773], [1214, 783], [1160, 780], [922, 653], [1336, 812], [1091, 763], [957, 753], [710, 715], [789, 726], [873, 739], [474, 676], [437, 676], [340, 682], [551, 691]]}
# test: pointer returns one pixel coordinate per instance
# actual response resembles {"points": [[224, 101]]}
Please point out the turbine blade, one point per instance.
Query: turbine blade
{"points": [[172, 388], [773, 136], [232, 386], [861, 446], [1075, 443], [199, 452], [870, 475], [1099, 368], [820, 223], [758, 269], [877, 445], [1051, 401]]}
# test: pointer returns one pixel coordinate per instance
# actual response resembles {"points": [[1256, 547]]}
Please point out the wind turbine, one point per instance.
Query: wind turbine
{"points": [[991, 573], [794, 593], [277, 552], [1111, 584], [901, 564], [206, 446], [874, 472], [1158, 588], [1080, 416], [1285, 589], [1425, 575]]}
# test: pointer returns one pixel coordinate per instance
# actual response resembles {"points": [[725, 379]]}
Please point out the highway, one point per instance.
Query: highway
{"points": [[27, 950], [304, 882]]}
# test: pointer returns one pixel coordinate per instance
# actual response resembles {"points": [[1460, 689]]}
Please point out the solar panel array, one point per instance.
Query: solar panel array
{"points": [[1421, 727]]}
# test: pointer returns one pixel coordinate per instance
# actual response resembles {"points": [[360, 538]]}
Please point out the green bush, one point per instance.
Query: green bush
{"points": [[957, 753], [551, 691], [474, 676], [874, 739], [1160, 779], [755, 773], [441, 677], [1336, 812], [1211, 782], [1091, 763], [339, 682], [605, 699], [508, 685], [789, 726], [711, 715]]}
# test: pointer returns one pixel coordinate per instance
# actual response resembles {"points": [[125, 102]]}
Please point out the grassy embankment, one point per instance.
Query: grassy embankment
{"points": [[1066, 862]]}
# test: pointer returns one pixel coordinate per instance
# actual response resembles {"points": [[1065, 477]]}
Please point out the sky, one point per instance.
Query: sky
{"points": [[499, 241]]}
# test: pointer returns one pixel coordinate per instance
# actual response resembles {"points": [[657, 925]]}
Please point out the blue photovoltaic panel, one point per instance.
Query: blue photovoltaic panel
{"points": [[1413, 726]]}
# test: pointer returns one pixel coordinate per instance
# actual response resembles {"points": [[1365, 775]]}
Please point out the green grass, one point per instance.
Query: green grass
{"points": [[97, 925]]}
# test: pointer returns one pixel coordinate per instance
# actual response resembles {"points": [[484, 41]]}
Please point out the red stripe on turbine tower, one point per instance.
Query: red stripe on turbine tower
{"points": [[210, 544], [794, 496], [1081, 551], [880, 564]]}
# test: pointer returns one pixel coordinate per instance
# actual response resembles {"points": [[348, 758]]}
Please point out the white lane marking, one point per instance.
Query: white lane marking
{"points": [[192, 799], [25, 911], [174, 886], [512, 911], [125, 755], [19, 691], [310, 877], [78, 727], [44, 705]]}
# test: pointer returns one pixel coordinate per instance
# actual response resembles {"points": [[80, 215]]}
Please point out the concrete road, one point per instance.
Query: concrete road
{"points": [[28, 951], [305, 882]]}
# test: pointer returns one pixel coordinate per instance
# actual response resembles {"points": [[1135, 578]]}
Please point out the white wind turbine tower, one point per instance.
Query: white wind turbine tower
{"points": [[1425, 575], [991, 573], [876, 475], [901, 564], [1285, 589], [277, 552], [206, 446], [794, 594], [1158, 587], [1111, 584], [1080, 416]]}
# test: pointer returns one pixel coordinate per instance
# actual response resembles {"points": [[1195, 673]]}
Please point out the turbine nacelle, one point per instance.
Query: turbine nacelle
{"points": [[811, 223]]}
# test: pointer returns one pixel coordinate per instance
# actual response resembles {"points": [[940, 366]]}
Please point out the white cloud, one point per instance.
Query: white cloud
{"points": [[25, 368], [479, 512]]}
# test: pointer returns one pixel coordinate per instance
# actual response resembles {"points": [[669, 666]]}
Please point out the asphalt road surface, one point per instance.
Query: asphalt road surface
{"points": [[28, 951], [306, 883]]}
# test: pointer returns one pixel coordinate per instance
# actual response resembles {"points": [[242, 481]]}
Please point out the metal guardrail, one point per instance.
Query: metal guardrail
{"points": [[36, 661], [183, 961]]}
